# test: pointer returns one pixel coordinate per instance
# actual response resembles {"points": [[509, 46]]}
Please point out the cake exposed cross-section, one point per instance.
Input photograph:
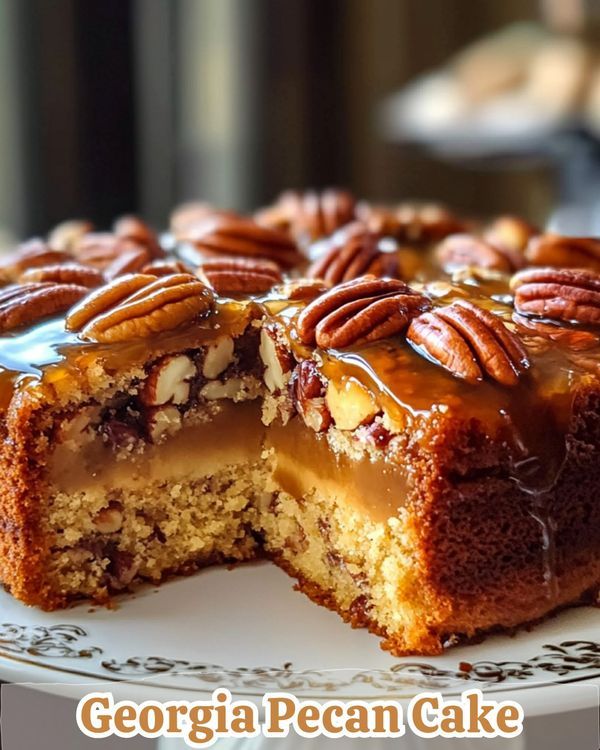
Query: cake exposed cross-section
{"points": [[399, 407]]}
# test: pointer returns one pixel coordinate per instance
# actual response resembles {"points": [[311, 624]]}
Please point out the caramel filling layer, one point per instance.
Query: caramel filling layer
{"points": [[301, 462], [232, 436], [304, 462]]}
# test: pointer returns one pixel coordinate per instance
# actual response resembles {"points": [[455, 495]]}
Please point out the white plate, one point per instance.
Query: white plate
{"points": [[247, 630]]}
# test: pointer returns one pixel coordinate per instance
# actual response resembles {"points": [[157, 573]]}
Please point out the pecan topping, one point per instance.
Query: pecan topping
{"points": [[303, 290], [129, 260], [139, 306], [568, 252], [354, 251], [223, 235], [65, 273], [566, 294], [309, 215], [361, 310], [105, 298], [67, 233], [165, 267], [469, 250], [30, 254], [511, 233], [239, 275], [23, 304], [133, 228], [470, 342], [187, 216], [410, 222], [100, 249]]}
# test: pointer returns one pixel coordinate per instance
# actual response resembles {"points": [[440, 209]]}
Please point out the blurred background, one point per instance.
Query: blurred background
{"points": [[112, 106]]}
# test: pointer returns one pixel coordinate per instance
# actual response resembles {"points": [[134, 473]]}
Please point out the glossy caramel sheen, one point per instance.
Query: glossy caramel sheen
{"points": [[405, 384], [47, 354], [532, 417]]}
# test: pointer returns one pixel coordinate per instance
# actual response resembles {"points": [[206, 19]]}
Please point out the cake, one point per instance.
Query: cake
{"points": [[397, 406]]}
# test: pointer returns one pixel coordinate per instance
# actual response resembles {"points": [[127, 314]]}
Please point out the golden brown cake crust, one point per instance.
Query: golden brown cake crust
{"points": [[22, 550]]}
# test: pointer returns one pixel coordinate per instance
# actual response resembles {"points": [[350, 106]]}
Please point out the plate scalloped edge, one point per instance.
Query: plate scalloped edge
{"points": [[562, 662]]}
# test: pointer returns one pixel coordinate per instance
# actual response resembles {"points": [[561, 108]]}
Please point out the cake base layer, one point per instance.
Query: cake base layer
{"points": [[223, 489], [371, 572], [181, 504]]}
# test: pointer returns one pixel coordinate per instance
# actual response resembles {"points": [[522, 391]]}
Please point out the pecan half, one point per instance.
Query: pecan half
{"points": [[133, 228], [566, 294], [30, 254], [105, 298], [100, 249], [565, 252], [223, 235], [65, 273], [410, 222], [354, 251], [165, 267], [365, 309], [187, 216], [161, 305], [311, 214], [239, 275], [129, 260], [24, 304], [308, 395], [67, 233], [511, 233], [307, 381], [469, 342], [168, 381], [276, 357], [469, 250]]}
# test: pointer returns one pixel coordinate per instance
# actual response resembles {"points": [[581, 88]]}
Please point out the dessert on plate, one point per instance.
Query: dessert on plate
{"points": [[399, 407]]}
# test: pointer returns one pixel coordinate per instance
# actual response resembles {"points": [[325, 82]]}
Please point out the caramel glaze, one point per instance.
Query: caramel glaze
{"points": [[47, 354], [406, 385], [531, 418]]}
